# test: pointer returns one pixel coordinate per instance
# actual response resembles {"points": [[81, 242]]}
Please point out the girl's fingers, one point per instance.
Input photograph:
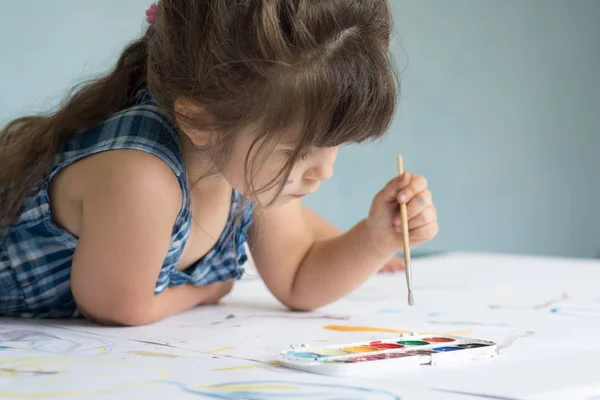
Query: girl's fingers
{"points": [[394, 265], [418, 204], [423, 233], [418, 184], [426, 216], [387, 269], [390, 191], [419, 211]]}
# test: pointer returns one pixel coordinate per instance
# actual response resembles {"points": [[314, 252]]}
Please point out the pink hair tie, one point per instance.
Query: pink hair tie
{"points": [[151, 14]]}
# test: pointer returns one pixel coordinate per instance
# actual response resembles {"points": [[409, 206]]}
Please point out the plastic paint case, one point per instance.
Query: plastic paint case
{"points": [[384, 357]]}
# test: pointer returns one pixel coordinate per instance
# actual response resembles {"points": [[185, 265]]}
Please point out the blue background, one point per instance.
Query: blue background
{"points": [[500, 110]]}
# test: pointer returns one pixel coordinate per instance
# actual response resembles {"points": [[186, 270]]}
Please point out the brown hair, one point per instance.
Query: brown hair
{"points": [[323, 64]]}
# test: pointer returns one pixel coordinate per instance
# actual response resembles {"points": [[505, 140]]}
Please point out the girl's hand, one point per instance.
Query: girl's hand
{"points": [[384, 223], [396, 264]]}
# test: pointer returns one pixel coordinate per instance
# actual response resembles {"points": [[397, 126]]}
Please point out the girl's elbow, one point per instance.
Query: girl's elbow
{"points": [[299, 306], [127, 313]]}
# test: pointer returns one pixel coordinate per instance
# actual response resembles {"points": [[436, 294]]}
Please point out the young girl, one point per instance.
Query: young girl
{"points": [[134, 201]]}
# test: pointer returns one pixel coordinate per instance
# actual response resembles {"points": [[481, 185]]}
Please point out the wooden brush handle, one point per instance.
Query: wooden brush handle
{"points": [[404, 219]]}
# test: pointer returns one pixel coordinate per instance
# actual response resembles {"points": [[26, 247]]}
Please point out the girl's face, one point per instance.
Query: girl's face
{"points": [[311, 169]]}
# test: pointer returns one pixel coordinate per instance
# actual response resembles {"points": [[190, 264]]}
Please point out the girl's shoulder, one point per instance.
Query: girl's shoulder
{"points": [[142, 126]]}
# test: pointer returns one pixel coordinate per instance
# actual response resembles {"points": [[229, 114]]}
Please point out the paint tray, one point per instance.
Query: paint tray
{"points": [[376, 358]]}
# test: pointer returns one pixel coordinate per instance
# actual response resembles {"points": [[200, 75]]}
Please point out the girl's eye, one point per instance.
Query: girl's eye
{"points": [[302, 156]]}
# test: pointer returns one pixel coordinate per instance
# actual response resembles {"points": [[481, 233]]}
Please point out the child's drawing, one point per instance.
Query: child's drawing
{"points": [[40, 339], [263, 390]]}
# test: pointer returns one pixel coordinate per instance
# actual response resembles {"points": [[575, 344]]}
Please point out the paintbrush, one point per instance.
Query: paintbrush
{"points": [[404, 220]]}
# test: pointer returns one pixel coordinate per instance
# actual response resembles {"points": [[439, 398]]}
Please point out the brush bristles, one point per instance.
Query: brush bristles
{"points": [[411, 299]]}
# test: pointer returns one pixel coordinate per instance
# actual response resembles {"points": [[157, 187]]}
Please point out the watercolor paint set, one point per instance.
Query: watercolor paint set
{"points": [[398, 354]]}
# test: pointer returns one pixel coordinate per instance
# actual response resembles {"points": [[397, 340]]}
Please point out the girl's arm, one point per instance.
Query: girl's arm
{"points": [[322, 230], [172, 301], [129, 203], [304, 272]]}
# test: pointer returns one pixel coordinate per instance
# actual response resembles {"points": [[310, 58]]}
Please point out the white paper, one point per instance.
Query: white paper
{"points": [[543, 313]]}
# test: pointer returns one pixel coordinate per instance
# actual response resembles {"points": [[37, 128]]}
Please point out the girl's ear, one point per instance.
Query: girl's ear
{"points": [[193, 119]]}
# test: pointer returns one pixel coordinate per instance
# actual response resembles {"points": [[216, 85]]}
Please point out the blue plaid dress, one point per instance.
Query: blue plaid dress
{"points": [[36, 254]]}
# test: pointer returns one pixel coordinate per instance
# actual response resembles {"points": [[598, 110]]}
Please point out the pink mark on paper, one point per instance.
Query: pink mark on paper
{"points": [[546, 304]]}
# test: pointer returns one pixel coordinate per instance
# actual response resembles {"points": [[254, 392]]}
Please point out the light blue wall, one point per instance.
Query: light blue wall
{"points": [[500, 110], [48, 46]]}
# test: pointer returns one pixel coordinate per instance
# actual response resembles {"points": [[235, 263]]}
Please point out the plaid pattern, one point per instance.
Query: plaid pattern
{"points": [[36, 255]]}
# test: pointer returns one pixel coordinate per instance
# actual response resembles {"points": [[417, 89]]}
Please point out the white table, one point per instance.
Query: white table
{"points": [[543, 312]]}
